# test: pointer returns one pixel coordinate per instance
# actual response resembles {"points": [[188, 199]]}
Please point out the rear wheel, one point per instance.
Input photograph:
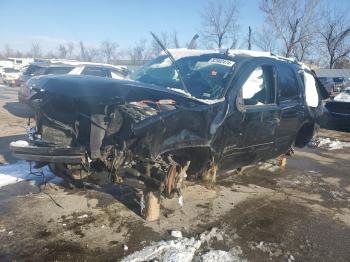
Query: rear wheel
{"points": [[305, 134]]}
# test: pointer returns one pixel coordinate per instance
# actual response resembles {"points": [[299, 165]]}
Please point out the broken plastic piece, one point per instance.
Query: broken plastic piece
{"points": [[181, 201], [176, 233]]}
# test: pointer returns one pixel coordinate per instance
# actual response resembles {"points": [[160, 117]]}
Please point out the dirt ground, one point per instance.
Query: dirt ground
{"points": [[299, 213]]}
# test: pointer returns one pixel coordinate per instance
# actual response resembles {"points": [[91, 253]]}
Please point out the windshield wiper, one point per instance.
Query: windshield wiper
{"points": [[172, 59]]}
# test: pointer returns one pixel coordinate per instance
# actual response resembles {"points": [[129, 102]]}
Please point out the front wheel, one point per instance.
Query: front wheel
{"points": [[74, 177]]}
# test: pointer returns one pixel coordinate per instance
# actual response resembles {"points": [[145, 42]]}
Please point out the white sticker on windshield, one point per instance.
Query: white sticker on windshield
{"points": [[221, 62]]}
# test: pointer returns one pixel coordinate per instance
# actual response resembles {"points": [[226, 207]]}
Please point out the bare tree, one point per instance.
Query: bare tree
{"points": [[249, 38], [265, 39], [62, 51], [303, 48], [8, 51], [88, 54], [18, 53], [108, 50], [175, 40], [92, 54], [294, 23], [51, 55], [220, 23], [70, 48], [35, 50], [343, 63], [335, 37], [139, 53], [83, 52]]}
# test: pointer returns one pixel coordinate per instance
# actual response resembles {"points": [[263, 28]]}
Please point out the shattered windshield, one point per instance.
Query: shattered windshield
{"points": [[205, 76]]}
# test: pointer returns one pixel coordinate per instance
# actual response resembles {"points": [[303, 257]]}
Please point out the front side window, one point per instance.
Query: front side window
{"points": [[259, 88], [205, 76], [287, 84], [58, 70], [33, 70]]}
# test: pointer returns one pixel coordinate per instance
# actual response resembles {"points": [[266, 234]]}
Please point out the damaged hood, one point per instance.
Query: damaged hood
{"points": [[103, 90]]}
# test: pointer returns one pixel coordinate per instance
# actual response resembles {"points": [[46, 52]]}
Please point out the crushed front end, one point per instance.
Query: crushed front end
{"points": [[136, 137]]}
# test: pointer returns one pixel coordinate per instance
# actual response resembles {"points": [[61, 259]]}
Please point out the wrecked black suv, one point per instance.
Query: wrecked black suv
{"points": [[194, 114]]}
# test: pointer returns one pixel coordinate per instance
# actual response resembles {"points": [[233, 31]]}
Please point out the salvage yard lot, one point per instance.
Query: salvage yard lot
{"points": [[301, 212]]}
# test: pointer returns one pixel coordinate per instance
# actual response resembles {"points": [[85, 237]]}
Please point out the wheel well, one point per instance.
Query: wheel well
{"points": [[304, 135], [200, 157]]}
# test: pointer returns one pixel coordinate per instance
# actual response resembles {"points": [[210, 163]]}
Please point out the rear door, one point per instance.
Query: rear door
{"points": [[290, 103]]}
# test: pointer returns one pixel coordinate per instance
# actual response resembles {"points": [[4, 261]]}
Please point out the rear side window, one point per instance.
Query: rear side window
{"points": [[95, 71], [287, 84], [34, 70], [10, 70], [58, 70], [259, 88]]}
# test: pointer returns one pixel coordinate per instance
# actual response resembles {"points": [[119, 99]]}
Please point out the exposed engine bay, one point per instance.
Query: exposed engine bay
{"points": [[123, 142]]}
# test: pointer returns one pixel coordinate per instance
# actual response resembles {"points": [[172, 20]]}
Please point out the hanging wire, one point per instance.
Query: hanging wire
{"points": [[40, 173]]}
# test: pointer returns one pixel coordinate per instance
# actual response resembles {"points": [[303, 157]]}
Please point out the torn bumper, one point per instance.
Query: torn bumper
{"points": [[68, 155]]}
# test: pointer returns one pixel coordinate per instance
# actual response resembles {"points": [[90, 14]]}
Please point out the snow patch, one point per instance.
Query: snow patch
{"points": [[11, 174], [83, 216], [272, 249], [327, 143], [173, 250], [19, 143], [343, 96], [219, 255], [185, 250], [271, 167]]}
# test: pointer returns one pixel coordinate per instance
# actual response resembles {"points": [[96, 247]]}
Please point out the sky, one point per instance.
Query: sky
{"points": [[126, 22]]}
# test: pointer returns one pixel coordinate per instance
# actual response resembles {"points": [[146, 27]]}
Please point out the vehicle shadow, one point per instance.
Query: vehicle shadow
{"points": [[5, 152], [19, 110], [335, 127], [105, 192], [125, 195]]}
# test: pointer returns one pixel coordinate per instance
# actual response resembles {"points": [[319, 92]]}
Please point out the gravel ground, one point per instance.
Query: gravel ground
{"points": [[299, 213]]}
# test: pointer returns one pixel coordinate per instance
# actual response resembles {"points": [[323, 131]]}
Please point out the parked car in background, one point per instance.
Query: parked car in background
{"points": [[33, 69], [340, 83], [328, 83], [10, 76], [73, 68], [193, 114], [25, 91], [1, 81], [337, 111], [102, 70]]}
